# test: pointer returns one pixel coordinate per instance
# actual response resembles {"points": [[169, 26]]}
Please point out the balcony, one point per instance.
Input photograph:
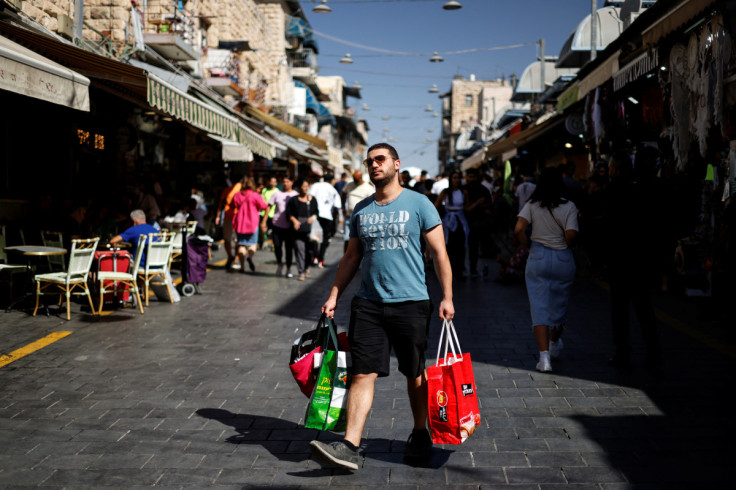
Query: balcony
{"points": [[303, 65], [169, 30], [223, 67], [224, 86]]}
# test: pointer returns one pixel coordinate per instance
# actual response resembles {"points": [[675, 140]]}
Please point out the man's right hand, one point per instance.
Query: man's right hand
{"points": [[329, 307]]}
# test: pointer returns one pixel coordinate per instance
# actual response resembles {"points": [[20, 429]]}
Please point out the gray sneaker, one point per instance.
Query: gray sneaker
{"points": [[336, 454]]}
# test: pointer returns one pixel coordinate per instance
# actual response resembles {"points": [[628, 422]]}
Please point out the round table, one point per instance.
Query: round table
{"points": [[36, 250], [31, 251]]}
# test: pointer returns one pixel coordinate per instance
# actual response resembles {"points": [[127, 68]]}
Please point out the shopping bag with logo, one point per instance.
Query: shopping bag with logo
{"points": [[302, 359], [327, 408], [453, 396]]}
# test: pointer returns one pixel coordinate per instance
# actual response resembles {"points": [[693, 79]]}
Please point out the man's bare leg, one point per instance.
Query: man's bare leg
{"points": [[360, 400], [417, 389]]}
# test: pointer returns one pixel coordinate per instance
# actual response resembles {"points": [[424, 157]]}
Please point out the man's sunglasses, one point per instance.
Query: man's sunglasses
{"points": [[379, 159]]}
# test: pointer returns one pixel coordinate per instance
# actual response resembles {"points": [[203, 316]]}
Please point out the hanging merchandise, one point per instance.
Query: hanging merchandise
{"points": [[698, 67]]}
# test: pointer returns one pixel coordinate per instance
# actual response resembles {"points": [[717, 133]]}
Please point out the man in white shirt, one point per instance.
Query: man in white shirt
{"points": [[352, 194], [328, 201], [524, 190], [441, 184]]}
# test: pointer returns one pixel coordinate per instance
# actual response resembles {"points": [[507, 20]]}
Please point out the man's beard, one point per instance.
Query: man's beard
{"points": [[387, 178]]}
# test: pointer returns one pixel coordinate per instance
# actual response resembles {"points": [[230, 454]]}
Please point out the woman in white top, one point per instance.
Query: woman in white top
{"points": [[455, 225], [550, 269]]}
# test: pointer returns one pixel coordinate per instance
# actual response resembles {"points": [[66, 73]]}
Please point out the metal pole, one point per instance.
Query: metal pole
{"points": [[543, 66], [78, 20], [593, 28]]}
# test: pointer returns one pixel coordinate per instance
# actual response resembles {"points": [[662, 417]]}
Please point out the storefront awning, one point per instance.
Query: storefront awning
{"points": [[208, 117], [26, 72], [523, 138], [298, 148], [232, 151], [284, 127], [323, 113], [297, 27], [474, 160]]}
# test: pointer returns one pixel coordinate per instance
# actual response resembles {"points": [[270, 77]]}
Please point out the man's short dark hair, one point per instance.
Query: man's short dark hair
{"points": [[391, 150], [472, 171]]}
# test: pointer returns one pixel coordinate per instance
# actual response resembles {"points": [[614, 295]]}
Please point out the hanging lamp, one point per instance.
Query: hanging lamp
{"points": [[433, 89], [323, 8], [346, 60], [436, 58], [451, 5]]}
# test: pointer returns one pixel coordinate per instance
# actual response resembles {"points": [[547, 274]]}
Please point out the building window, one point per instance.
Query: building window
{"points": [[468, 100]]}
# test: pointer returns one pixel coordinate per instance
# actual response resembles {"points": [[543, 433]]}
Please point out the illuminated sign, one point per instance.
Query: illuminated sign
{"points": [[90, 139]]}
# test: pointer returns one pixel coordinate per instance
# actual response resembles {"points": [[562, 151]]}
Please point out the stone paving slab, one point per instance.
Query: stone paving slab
{"points": [[197, 394]]}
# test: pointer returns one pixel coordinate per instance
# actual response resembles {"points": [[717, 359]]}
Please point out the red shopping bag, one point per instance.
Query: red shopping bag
{"points": [[453, 396], [302, 363]]}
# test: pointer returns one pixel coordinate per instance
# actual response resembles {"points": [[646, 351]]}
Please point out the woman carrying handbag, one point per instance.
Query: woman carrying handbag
{"points": [[302, 212], [550, 268]]}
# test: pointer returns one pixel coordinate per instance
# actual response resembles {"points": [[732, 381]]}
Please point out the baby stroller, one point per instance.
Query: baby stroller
{"points": [[195, 255]]}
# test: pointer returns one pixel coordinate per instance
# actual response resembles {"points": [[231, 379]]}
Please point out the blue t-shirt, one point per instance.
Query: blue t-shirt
{"points": [[131, 235], [393, 265]]}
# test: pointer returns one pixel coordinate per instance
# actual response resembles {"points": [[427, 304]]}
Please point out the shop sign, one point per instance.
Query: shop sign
{"points": [[567, 98], [636, 69]]}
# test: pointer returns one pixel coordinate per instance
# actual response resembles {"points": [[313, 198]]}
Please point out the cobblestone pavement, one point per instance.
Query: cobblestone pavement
{"points": [[198, 394]]}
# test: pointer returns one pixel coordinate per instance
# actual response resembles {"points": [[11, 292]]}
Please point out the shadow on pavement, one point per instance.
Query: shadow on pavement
{"points": [[257, 430]]}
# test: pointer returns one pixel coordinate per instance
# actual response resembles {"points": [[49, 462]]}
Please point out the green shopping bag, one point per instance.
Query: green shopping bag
{"points": [[327, 408]]}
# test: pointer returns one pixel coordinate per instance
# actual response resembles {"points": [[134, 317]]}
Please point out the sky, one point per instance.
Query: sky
{"points": [[395, 86]]}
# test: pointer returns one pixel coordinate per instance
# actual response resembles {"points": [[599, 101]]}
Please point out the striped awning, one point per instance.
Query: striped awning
{"points": [[207, 117], [180, 105]]}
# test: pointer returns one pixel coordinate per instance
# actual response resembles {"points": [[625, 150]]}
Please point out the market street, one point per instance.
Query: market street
{"points": [[198, 394]]}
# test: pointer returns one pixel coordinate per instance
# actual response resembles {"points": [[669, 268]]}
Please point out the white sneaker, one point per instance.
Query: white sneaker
{"points": [[544, 365], [555, 348], [289, 273]]}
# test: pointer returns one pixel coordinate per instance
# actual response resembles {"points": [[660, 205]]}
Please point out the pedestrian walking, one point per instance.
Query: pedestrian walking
{"points": [[302, 212], [353, 193], [392, 307], [283, 235], [246, 220], [550, 267], [631, 233], [479, 218], [328, 203], [454, 223]]}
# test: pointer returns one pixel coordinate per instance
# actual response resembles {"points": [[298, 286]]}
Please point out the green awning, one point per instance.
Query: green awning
{"points": [[207, 117]]}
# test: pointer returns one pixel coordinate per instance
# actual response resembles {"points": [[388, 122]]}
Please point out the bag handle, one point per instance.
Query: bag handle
{"points": [[449, 335]]}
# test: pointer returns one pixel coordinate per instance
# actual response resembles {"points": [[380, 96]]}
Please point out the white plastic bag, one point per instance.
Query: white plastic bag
{"points": [[316, 233]]}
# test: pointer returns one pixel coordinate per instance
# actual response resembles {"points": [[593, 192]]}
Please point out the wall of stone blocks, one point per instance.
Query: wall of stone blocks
{"points": [[46, 12]]}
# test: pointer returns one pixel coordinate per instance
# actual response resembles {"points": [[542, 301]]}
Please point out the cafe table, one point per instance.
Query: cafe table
{"points": [[31, 253]]}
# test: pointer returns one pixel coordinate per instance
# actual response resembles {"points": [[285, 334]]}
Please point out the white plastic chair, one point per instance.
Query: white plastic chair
{"points": [[54, 239], [8, 271], [75, 278], [176, 250], [129, 279], [158, 255]]}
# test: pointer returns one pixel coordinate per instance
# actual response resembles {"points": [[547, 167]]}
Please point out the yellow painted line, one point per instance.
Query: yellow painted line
{"points": [[683, 327], [32, 347], [220, 263]]}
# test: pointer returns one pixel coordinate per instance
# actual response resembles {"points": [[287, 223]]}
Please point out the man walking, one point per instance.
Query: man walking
{"points": [[353, 193], [392, 307], [328, 201]]}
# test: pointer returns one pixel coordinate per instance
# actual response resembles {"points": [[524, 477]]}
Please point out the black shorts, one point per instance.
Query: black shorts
{"points": [[376, 327]]}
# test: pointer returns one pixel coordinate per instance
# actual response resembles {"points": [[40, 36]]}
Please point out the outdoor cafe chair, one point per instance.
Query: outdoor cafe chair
{"points": [[158, 255], [129, 279], [74, 280], [177, 247], [54, 239], [8, 271]]}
